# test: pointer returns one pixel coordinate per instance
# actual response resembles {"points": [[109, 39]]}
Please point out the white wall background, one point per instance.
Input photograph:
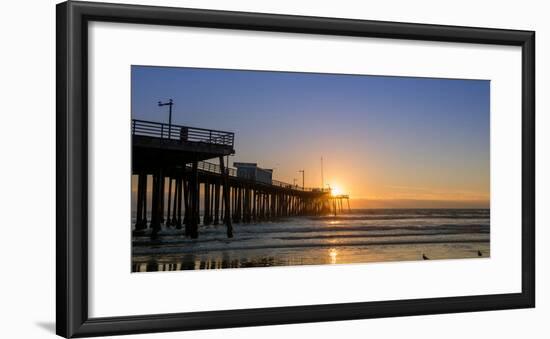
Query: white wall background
{"points": [[27, 171]]}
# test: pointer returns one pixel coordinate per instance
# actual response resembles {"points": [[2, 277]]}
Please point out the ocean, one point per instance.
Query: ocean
{"points": [[360, 236]]}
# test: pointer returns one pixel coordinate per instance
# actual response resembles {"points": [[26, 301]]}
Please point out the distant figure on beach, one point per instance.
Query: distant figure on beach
{"points": [[425, 257], [479, 254], [184, 134]]}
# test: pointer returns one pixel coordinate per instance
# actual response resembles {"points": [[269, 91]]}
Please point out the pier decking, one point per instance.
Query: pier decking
{"points": [[175, 156]]}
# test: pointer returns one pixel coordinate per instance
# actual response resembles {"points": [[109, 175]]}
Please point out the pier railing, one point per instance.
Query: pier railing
{"points": [[214, 168], [181, 133]]}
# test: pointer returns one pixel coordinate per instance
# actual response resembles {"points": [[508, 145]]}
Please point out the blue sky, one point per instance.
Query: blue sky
{"points": [[380, 137]]}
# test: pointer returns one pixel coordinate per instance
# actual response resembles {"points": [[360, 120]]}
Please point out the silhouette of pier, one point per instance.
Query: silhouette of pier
{"points": [[337, 202], [181, 162]]}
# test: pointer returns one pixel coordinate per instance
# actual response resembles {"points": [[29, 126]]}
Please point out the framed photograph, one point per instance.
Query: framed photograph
{"points": [[221, 169]]}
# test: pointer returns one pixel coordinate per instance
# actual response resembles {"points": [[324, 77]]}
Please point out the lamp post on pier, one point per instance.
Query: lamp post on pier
{"points": [[303, 179], [170, 103]]}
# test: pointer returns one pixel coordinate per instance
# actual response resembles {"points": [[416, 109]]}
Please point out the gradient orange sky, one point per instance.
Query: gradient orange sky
{"points": [[389, 142]]}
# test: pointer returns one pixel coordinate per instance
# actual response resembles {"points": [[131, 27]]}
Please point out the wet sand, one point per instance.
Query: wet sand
{"points": [[360, 237]]}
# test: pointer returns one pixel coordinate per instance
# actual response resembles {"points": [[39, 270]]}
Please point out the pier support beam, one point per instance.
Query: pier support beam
{"points": [[193, 226], [186, 203], [174, 216], [168, 203], [206, 220], [239, 207], [141, 217], [156, 212], [227, 209], [216, 203], [177, 202], [162, 191]]}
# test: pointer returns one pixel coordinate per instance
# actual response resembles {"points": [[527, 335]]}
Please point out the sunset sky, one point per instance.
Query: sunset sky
{"points": [[387, 141]]}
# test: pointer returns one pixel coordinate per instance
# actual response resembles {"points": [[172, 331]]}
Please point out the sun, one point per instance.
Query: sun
{"points": [[335, 190]]}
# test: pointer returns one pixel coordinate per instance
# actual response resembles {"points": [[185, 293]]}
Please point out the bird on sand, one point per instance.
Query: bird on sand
{"points": [[425, 257]]}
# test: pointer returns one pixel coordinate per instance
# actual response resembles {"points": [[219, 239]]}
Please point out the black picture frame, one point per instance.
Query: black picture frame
{"points": [[72, 319]]}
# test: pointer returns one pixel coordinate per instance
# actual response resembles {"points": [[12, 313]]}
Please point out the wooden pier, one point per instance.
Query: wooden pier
{"points": [[337, 203], [174, 158]]}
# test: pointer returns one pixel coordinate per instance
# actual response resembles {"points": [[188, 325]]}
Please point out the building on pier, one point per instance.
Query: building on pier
{"points": [[251, 171]]}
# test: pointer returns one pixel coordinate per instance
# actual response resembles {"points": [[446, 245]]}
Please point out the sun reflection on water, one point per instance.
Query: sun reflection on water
{"points": [[333, 253]]}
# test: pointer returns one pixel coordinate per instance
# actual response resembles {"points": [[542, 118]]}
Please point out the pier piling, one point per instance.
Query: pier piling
{"points": [[185, 185]]}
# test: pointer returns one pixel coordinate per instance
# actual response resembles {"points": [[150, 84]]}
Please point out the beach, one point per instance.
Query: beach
{"points": [[359, 236]]}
